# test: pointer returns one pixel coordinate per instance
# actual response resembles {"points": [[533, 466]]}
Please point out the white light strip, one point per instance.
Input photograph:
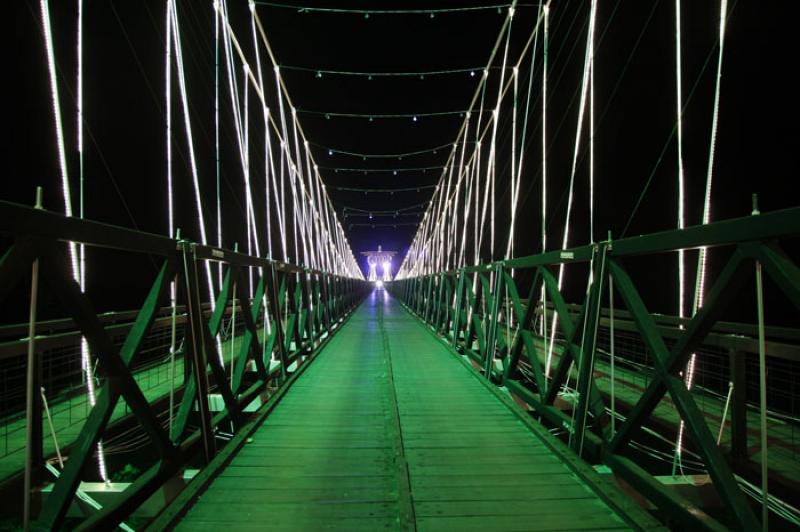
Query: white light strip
{"points": [[545, 51], [699, 290], [412, 264], [217, 151], [681, 177], [570, 195], [347, 264], [591, 141], [514, 174], [189, 138], [65, 184], [86, 356], [168, 105], [702, 259], [267, 147], [681, 211], [56, 101], [544, 124]]}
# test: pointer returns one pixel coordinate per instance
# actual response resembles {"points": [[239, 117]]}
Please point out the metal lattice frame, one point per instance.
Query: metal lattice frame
{"points": [[305, 308], [465, 306]]}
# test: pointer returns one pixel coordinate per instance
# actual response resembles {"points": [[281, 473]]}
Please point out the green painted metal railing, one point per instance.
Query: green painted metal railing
{"points": [[305, 308], [466, 307]]}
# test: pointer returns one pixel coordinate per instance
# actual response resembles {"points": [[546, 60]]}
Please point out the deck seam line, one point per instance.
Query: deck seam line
{"points": [[405, 495]]}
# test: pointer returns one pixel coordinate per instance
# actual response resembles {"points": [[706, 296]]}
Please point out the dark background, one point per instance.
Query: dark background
{"points": [[757, 145]]}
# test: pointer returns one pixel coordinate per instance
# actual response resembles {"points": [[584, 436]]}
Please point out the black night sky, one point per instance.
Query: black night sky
{"points": [[757, 145]]}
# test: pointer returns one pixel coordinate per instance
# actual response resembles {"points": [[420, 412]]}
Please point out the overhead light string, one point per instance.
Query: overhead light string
{"points": [[414, 117], [321, 72], [399, 156], [367, 12]]}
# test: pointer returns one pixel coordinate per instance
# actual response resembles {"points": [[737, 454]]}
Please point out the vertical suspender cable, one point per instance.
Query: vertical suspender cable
{"points": [[545, 45], [591, 141], [702, 258], [493, 151], [699, 289], [267, 147], [581, 113], [170, 206], [516, 167], [65, 184], [681, 178], [463, 173], [56, 102], [246, 170], [348, 264], [168, 113], [428, 225], [79, 83], [545, 51], [85, 353], [518, 171], [512, 186], [176, 36], [681, 203], [217, 154], [298, 195]]}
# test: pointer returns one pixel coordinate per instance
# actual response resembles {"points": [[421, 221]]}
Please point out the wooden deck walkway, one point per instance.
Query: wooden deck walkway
{"points": [[388, 430]]}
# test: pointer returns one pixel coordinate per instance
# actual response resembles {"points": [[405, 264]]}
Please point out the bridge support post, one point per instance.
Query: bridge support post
{"points": [[588, 348], [738, 408], [195, 345]]}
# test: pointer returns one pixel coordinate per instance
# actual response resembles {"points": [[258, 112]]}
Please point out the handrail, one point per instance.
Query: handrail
{"points": [[766, 226]]}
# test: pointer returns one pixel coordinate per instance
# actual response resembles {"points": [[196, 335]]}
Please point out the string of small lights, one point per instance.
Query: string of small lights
{"points": [[414, 117], [383, 190], [399, 156], [395, 171], [320, 72], [367, 12]]}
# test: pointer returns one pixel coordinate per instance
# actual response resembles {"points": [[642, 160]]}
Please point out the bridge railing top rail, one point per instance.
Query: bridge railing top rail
{"points": [[763, 227], [19, 220]]}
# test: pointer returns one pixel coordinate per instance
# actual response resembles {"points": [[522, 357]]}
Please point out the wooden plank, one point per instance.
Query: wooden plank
{"points": [[292, 523], [327, 456], [567, 511], [244, 511], [503, 523], [552, 490]]}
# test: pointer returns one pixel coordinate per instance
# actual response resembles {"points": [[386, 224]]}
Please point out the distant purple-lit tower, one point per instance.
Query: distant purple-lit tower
{"points": [[382, 258]]}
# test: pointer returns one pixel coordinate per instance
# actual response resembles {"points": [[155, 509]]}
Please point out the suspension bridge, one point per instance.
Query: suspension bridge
{"points": [[197, 334]]}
